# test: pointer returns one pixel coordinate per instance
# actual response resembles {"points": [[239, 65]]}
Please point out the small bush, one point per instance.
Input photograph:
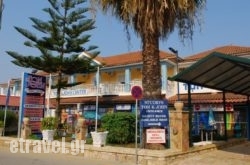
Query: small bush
{"points": [[121, 127], [11, 118], [49, 123]]}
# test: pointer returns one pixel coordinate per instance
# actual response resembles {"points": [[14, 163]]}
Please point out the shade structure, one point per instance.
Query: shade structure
{"points": [[218, 71]]}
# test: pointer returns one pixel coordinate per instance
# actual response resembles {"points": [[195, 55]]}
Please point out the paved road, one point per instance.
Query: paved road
{"points": [[236, 155], [7, 158]]}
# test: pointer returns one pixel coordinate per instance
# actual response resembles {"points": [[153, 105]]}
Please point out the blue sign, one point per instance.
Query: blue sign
{"points": [[154, 113], [32, 100]]}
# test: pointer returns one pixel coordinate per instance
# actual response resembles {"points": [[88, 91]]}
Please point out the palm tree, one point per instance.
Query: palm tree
{"points": [[153, 20], [62, 42]]}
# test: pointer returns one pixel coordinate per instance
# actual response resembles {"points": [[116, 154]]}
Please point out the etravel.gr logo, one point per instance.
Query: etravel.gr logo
{"points": [[40, 146]]}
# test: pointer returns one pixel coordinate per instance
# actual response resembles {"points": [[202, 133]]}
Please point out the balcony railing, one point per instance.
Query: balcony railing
{"points": [[91, 90], [87, 90], [104, 89]]}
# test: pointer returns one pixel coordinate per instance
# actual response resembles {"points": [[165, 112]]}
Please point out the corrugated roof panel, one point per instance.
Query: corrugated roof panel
{"points": [[219, 71]]}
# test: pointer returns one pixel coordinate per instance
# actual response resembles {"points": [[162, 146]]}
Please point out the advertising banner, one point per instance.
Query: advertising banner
{"points": [[33, 99]]}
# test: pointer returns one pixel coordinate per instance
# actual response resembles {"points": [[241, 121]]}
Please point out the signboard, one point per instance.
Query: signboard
{"points": [[123, 107], [215, 107], [156, 136], [195, 89], [33, 99], [154, 113], [136, 92]]}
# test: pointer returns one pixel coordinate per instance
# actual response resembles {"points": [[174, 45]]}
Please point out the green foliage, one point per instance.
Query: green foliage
{"points": [[1, 123], [11, 118], [60, 40], [121, 127], [34, 137], [49, 123]]}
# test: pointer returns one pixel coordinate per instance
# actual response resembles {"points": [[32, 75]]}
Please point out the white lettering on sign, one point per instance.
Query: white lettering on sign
{"points": [[71, 92], [35, 82], [154, 113], [195, 88]]}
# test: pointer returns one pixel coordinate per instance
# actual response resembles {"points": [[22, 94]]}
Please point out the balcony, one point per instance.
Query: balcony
{"points": [[105, 89], [87, 90], [90, 90]]}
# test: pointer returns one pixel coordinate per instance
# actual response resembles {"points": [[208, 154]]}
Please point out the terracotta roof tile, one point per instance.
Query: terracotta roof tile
{"points": [[124, 59], [210, 98], [13, 101], [230, 49], [92, 100], [130, 58]]}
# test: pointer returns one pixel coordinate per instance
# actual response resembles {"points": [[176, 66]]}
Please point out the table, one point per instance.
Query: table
{"points": [[207, 132]]}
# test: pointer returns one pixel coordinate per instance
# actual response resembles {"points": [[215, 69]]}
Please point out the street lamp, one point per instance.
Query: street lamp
{"points": [[85, 55], [177, 68]]}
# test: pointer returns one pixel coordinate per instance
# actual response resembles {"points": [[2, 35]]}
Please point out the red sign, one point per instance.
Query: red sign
{"points": [[136, 92], [197, 107]]}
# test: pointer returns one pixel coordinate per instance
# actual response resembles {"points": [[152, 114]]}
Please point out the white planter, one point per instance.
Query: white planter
{"points": [[99, 138], [48, 135]]}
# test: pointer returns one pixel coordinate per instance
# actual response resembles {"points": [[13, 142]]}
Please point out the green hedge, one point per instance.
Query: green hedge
{"points": [[11, 118], [121, 127]]}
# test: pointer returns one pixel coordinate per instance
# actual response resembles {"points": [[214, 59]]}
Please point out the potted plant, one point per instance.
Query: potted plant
{"points": [[48, 126], [99, 137], [1, 127]]}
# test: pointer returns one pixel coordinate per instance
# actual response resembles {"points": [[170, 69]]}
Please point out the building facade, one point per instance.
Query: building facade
{"points": [[119, 73]]}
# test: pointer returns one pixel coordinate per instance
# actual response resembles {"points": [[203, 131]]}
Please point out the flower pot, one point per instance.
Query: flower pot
{"points": [[99, 138], [48, 135]]}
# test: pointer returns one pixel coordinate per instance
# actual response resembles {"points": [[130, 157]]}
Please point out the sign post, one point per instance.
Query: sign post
{"points": [[136, 92], [32, 103]]}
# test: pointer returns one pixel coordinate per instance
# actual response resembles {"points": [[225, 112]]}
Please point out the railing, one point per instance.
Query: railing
{"points": [[90, 90], [105, 88]]}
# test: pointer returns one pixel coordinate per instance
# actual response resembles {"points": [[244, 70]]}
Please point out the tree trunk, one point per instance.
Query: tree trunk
{"points": [[151, 76], [58, 98]]}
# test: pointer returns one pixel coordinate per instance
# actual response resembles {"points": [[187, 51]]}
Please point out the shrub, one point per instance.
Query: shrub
{"points": [[121, 127], [49, 123], [1, 123], [11, 118]]}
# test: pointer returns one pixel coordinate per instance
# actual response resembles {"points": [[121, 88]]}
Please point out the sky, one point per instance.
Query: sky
{"points": [[225, 22]]}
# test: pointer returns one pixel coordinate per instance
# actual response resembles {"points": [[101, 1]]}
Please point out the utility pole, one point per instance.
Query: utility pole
{"points": [[177, 68]]}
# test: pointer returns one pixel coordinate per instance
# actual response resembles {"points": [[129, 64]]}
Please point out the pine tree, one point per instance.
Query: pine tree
{"points": [[61, 39]]}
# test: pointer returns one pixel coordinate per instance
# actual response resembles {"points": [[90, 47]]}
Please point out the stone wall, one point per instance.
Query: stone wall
{"points": [[145, 156]]}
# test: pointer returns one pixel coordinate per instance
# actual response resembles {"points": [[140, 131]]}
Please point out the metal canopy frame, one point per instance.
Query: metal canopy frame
{"points": [[218, 71]]}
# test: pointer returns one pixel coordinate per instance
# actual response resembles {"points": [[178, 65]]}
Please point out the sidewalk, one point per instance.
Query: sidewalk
{"points": [[233, 155], [145, 156]]}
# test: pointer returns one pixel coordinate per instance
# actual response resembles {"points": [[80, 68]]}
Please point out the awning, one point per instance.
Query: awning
{"points": [[218, 71]]}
